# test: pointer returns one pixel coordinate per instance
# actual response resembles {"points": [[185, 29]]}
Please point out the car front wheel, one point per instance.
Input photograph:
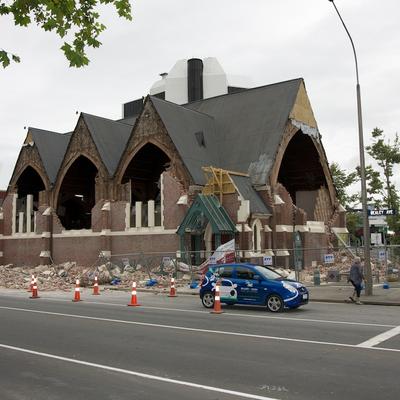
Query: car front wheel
{"points": [[274, 303], [208, 300]]}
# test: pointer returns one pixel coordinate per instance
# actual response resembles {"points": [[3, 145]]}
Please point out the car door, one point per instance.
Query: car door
{"points": [[227, 288], [249, 290]]}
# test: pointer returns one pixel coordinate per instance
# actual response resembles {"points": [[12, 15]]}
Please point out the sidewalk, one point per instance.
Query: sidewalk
{"points": [[340, 293]]}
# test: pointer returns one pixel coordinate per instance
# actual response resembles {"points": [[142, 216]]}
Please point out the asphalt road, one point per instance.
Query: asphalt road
{"points": [[172, 348]]}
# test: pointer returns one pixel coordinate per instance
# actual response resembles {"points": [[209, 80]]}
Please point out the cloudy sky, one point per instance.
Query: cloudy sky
{"points": [[265, 40]]}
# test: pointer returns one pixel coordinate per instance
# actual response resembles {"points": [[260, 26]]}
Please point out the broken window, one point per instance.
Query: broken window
{"points": [[76, 197], [144, 175], [29, 184], [301, 172]]}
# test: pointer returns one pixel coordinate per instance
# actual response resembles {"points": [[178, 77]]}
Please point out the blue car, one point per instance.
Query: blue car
{"points": [[253, 285]]}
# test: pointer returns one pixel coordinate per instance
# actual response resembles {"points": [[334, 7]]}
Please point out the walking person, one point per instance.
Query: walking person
{"points": [[356, 277]]}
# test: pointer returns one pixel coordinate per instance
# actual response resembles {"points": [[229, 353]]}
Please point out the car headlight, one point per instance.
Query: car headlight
{"points": [[289, 287]]}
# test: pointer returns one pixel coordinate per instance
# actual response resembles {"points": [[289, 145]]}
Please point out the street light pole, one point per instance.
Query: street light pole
{"points": [[367, 239]]}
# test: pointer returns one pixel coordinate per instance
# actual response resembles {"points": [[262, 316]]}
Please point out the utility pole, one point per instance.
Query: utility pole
{"points": [[367, 237]]}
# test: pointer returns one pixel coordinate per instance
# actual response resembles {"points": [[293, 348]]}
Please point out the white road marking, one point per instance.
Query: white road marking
{"points": [[138, 374], [183, 328], [230, 314], [380, 338]]}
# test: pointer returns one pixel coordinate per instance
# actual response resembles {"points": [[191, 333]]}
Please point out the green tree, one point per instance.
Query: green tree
{"points": [[374, 186], [64, 17], [342, 180], [387, 155]]}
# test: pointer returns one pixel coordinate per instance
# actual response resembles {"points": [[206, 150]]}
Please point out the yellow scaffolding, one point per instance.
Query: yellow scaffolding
{"points": [[219, 181]]}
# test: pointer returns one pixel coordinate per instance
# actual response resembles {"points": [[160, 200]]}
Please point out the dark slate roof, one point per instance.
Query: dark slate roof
{"points": [[51, 147], [245, 188], [249, 126], [183, 125], [128, 120], [110, 137]]}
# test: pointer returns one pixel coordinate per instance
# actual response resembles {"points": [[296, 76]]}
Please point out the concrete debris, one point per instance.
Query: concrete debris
{"points": [[63, 276]]}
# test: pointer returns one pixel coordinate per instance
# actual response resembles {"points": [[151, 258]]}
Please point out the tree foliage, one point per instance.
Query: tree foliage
{"points": [[381, 189], [342, 180], [64, 17], [387, 155]]}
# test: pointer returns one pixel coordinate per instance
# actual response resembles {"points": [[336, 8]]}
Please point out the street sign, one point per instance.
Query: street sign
{"points": [[382, 255], [267, 260], [382, 211], [213, 260], [329, 258]]}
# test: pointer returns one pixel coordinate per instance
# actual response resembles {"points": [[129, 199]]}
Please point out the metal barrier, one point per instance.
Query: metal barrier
{"points": [[332, 264]]}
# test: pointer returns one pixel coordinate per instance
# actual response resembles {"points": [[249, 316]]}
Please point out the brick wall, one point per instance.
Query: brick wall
{"points": [[22, 252], [172, 191]]}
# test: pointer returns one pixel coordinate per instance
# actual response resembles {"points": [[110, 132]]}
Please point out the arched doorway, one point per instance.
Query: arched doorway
{"points": [[29, 184], [143, 175], [76, 196], [301, 172]]}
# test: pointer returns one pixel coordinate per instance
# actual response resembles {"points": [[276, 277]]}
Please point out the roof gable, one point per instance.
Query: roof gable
{"points": [[302, 111], [206, 208], [51, 147], [110, 138]]}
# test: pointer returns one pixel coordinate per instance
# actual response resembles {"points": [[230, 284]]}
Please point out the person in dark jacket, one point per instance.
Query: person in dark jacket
{"points": [[356, 277]]}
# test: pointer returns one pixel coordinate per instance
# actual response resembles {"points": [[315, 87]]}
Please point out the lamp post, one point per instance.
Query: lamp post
{"points": [[367, 256]]}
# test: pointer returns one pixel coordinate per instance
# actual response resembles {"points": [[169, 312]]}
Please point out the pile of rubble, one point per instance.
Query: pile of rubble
{"points": [[63, 276], [339, 270]]}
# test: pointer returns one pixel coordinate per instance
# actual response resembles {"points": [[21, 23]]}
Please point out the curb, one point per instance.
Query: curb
{"points": [[323, 300], [364, 302]]}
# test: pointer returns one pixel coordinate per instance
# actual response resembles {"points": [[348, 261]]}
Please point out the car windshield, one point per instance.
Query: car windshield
{"points": [[268, 273]]}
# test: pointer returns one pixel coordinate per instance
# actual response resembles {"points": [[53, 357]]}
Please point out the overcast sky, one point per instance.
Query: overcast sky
{"points": [[267, 41]]}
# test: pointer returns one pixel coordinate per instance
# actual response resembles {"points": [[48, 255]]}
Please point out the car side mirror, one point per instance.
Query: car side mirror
{"points": [[257, 278]]}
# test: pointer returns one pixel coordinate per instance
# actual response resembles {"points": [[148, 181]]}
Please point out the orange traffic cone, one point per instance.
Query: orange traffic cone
{"points": [[217, 301], [34, 290], [96, 287], [77, 296], [31, 284], [133, 302], [172, 291]]}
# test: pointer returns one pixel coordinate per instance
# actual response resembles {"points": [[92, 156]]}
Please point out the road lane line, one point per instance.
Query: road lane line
{"points": [[231, 314], [138, 374], [183, 328], [380, 338]]}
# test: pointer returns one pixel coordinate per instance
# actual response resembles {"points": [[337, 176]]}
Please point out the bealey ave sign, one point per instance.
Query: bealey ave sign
{"points": [[382, 212], [377, 212]]}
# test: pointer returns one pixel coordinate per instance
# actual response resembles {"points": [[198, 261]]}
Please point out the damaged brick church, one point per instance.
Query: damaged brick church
{"points": [[194, 164]]}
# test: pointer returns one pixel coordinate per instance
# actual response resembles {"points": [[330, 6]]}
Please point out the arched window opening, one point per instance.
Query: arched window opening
{"points": [[77, 195], [29, 184], [143, 175], [257, 236], [301, 172]]}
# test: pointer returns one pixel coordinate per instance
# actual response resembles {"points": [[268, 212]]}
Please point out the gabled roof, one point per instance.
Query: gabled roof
{"points": [[246, 190], [51, 147], [193, 134], [249, 126], [110, 138], [206, 208]]}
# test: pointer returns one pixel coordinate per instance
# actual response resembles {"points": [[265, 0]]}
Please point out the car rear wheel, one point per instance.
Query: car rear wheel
{"points": [[275, 303], [208, 300]]}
